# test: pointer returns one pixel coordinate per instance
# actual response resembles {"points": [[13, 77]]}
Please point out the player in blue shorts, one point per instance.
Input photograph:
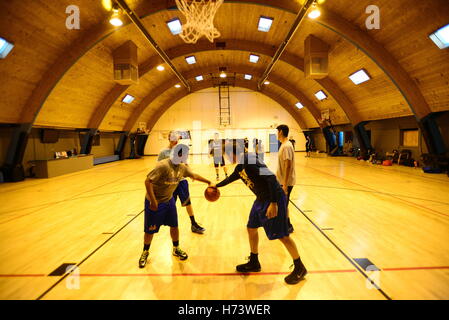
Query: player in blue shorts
{"points": [[160, 208], [182, 191], [269, 209]]}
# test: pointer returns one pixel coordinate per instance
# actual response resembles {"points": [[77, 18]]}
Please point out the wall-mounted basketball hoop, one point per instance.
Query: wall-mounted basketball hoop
{"points": [[200, 19]]}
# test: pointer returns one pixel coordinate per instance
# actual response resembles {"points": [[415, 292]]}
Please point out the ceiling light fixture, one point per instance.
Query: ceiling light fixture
{"points": [[199, 78], [160, 68], [315, 12], [115, 18], [267, 82], [248, 76], [177, 86], [222, 74], [299, 105]]}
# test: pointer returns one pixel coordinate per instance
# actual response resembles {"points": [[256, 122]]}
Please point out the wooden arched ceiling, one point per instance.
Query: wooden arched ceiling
{"points": [[205, 57], [51, 81], [282, 85]]}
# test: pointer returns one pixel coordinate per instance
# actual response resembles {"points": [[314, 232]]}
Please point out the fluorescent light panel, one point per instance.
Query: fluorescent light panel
{"points": [[299, 105], [253, 58], [320, 95], [175, 26], [441, 37], [191, 59], [359, 77], [128, 99], [264, 24], [5, 48], [199, 78], [248, 76]]}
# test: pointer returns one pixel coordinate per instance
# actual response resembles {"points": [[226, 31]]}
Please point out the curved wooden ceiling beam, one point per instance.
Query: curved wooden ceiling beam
{"points": [[239, 45], [93, 36], [239, 83], [374, 50], [210, 69], [260, 48]]}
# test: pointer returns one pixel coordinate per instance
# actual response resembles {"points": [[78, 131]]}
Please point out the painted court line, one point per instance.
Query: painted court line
{"points": [[407, 202], [220, 274]]}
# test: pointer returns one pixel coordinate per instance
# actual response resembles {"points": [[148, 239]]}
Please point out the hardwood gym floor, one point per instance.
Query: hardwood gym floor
{"points": [[344, 209]]}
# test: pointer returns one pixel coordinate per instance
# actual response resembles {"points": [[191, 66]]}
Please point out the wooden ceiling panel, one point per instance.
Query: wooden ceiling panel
{"points": [[118, 110], [404, 30], [38, 31], [83, 87], [222, 58], [233, 21], [309, 88]]}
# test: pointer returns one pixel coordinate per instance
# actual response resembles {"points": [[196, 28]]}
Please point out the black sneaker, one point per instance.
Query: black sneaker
{"points": [[143, 259], [248, 267], [196, 228], [297, 275], [182, 255]]}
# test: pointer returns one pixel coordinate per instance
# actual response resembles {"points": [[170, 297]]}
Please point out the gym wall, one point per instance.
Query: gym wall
{"points": [[254, 114]]}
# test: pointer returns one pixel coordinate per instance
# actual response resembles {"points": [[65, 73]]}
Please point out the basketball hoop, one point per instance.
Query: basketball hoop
{"points": [[200, 19]]}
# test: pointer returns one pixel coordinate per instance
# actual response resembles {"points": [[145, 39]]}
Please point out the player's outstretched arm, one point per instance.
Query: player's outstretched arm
{"points": [[195, 176]]}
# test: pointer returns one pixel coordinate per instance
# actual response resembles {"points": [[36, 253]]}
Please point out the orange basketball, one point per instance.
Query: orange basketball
{"points": [[212, 194]]}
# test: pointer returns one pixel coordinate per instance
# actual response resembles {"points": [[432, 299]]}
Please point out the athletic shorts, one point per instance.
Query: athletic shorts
{"points": [[166, 215], [275, 228], [219, 161], [182, 191]]}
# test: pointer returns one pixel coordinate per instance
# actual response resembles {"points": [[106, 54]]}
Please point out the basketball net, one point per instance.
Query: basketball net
{"points": [[200, 19]]}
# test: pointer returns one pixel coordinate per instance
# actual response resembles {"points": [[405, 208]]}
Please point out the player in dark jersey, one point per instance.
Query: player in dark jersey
{"points": [[269, 209]]}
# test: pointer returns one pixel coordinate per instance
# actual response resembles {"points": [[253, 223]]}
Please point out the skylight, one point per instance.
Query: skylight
{"points": [[128, 99], [299, 105], [175, 26], [253, 58], [5, 48], [320, 95], [359, 77], [248, 76], [265, 24], [199, 78], [441, 37], [191, 60]]}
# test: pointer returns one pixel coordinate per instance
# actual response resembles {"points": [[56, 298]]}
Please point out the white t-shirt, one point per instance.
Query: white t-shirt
{"points": [[286, 152]]}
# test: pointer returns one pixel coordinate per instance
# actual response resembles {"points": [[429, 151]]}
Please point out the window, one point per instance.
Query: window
{"points": [[320, 95], [175, 26], [359, 77], [299, 105], [191, 60], [264, 24], [5, 48], [441, 37], [409, 137], [253, 58], [128, 99]]}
